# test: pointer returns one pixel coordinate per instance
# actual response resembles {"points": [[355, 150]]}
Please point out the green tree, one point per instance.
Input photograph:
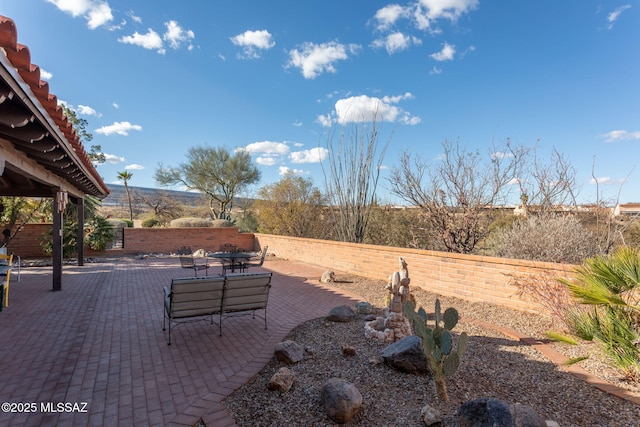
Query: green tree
{"points": [[80, 126], [125, 176], [214, 172], [291, 207]]}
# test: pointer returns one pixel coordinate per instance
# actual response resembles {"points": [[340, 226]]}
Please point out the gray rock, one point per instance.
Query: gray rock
{"points": [[341, 400], [343, 313], [363, 307], [406, 355], [488, 412], [289, 352], [281, 380]]}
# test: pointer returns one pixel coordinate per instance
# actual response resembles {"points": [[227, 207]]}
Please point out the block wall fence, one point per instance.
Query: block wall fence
{"points": [[471, 277]]}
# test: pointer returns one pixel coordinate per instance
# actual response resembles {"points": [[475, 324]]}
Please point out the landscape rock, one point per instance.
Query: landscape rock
{"points": [[281, 380], [489, 412], [328, 277], [289, 352], [430, 416], [343, 313], [341, 400], [406, 355], [347, 350], [363, 307]]}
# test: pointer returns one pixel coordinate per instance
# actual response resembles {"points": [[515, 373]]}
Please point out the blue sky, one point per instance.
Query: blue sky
{"points": [[154, 78]]}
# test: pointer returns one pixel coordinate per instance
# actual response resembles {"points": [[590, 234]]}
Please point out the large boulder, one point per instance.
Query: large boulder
{"points": [[281, 380], [342, 400], [490, 412], [289, 352], [343, 313], [406, 355]]}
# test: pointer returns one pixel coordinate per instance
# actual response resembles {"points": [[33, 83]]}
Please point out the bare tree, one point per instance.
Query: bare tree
{"points": [[164, 207], [351, 178], [544, 186], [457, 195]]}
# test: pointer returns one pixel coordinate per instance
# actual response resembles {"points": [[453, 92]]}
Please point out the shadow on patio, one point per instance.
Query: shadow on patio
{"points": [[100, 342]]}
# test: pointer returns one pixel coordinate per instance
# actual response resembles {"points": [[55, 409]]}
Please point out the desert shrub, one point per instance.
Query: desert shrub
{"points": [[554, 296], [221, 223], [190, 222], [150, 222], [546, 237]]}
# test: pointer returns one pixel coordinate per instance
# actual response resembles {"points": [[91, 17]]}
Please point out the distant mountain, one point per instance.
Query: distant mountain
{"points": [[118, 196]]}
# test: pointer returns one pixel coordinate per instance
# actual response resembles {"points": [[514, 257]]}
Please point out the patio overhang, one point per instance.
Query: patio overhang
{"points": [[40, 153]]}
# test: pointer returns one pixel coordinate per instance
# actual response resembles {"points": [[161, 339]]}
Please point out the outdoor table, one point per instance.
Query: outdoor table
{"points": [[234, 258]]}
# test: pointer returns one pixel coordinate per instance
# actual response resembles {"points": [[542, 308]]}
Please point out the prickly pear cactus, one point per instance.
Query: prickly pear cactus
{"points": [[437, 343]]}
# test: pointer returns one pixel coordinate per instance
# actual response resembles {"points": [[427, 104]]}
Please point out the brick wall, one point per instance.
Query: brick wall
{"points": [[471, 277], [148, 240], [474, 278], [26, 243]]}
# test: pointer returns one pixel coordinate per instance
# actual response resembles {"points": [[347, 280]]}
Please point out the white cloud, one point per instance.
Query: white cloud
{"points": [[119, 128], [389, 15], [313, 59], [113, 159], [97, 13], [314, 155], [115, 105], [446, 54], [175, 35], [266, 160], [435, 70], [363, 108], [134, 167], [607, 180], [87, 111], [620, 135], [45, 75], [269, 147], [252, 42], [613, 16], [297, 123], [284, 170], [151, 40], [396, 42], [428, 11], [134, 17]]}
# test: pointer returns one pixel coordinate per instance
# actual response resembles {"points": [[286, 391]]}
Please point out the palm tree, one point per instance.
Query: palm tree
{"points": [[126, 176]]}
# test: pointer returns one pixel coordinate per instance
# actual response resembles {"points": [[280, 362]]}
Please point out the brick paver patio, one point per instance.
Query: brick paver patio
{"points": [[98, 345]]}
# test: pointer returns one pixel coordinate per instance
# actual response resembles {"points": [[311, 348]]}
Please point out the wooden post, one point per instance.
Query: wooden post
{"points": [[80, 235], [59, 203]]}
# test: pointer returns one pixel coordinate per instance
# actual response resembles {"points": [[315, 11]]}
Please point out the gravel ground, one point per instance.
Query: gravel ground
{"points": [[493, 366]]}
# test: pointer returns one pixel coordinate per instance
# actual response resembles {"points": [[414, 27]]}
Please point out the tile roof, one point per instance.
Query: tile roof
{"points": [[20, 58]]}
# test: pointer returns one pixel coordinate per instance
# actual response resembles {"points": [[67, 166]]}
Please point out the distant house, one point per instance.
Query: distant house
{"points": [[627, 209]]}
